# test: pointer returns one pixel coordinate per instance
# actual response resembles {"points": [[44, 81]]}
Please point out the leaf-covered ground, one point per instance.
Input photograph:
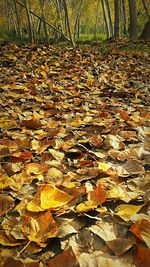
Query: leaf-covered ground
{"points": [[74, 154]]}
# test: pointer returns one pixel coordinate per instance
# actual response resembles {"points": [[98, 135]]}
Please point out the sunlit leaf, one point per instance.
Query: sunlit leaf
{"points": [[48, 197], [35, 168], [126, 211], [56, 154], [86, 206], [5, 181]]}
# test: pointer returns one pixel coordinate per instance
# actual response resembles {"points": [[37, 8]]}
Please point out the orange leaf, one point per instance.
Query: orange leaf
{"points": [[98, 195], [141, 229], [35, 168], [22, 155]]}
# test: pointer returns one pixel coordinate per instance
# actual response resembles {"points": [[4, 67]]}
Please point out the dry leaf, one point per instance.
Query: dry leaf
{"points": [[142, 256], [6, 204], [120, 245], [48, 197], [142, 230], [65, 259], [126, 211], [39, 227]]}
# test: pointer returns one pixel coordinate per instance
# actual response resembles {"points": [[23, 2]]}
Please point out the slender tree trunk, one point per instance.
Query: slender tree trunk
{"points": [[77, 21], [133, 28], [116, 19], [146, 9], [105, 19], [7, 7], [18, 21], [124, 20], [68, 22], [96, 21], [31, 37], [59, 14], [14, 22], [109, 17], [42, 3]]}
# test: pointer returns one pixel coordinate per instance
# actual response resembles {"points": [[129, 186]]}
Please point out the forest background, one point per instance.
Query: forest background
{"points": [[73, 20]]}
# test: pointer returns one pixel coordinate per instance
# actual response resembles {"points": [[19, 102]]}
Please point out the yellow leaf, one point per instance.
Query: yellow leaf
{"points": [[5, 241], [56, 154], [126, 212], [5, 181], [48, 197], [86, 206]]}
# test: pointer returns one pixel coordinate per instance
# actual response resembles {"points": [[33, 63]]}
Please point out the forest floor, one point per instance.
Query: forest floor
{"points": [[75, 154]]}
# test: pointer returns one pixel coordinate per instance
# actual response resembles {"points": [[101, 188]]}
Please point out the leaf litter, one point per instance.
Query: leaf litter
{"points": [[74, 155]]}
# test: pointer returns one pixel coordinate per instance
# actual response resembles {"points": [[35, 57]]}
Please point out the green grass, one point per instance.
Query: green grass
{"points": [[89, 38]]}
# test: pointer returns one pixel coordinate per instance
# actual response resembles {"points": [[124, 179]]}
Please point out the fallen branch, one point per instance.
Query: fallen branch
{"points": [[49, 24]]}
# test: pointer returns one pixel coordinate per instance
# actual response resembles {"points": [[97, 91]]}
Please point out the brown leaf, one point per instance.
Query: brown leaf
{"points": [[120, 245], [31, 124], [6, 204], [65, 259], [142, 256], [39, 227]]}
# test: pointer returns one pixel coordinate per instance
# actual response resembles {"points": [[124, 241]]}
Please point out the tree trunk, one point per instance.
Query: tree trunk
{"points": [[116, 18], [77, 21], [146, 9], [105, 19], [18, 21], [109, 17], [133, 28], [96, 21], [124, 19], [31, 37], [68, 22], [42, 3], [145, 35]]}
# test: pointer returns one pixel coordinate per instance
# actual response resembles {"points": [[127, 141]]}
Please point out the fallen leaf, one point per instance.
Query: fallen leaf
{"points": [[66, 259], [127, 211], [141, 229], [39, 227], [142, 256], [48, 197], [120, 245], [6, 204], [35, 168]]}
